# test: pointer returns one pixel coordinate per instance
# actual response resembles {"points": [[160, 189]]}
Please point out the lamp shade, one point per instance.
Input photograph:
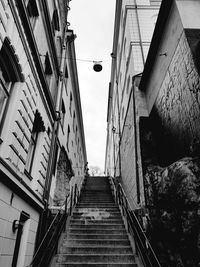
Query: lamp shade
{"points": [[97, 66]]}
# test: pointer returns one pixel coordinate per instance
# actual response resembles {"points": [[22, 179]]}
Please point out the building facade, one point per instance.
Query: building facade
{"points": [[42, 145], [153, 149], [133, 29]]}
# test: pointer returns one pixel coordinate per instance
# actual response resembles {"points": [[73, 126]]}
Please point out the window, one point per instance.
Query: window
{"points": [[55, 21], [68, 133], [76, 134], [38, 126], [66, 72], [63, 114], [47, 68], [10, 72], [70, 104], [32, 12], [74, 116]]}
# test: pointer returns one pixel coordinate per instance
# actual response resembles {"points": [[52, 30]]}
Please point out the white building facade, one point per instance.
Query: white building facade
{"points": [[39, 103], [134, 25]]}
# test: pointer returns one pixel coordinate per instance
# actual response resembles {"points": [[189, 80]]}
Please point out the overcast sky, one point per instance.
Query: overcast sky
{"points": [[93, 23]]}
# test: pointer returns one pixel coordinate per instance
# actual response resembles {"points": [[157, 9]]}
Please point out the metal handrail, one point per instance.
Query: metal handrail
{"points": [[73, 198], [143, 245]]}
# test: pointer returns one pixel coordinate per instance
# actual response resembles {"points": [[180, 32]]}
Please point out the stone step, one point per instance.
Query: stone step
{"points": [[101, 205], [96, 199], [95, 249], [97, 217], [98, 236], [95, 258], [80, 264], [97, 226], [92, 211], [100, 242], [96, 203], [90, 221], [101, 209], [91, 190], [89, 230]]}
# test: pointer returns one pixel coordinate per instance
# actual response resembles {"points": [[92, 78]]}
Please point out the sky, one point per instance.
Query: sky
{"points": [[93, 23]]}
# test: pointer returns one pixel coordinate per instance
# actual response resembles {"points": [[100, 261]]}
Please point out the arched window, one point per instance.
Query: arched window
{"points": [[10, 73]]}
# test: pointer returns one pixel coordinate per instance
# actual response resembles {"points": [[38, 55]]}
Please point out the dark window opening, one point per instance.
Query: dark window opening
{"points": [[48, 69], [32, 8], [32, 12], [66, 72], [48, 131], [68, 133], [55, 21], [38, 126], [70, 104], [63, 113], [74, 116]]}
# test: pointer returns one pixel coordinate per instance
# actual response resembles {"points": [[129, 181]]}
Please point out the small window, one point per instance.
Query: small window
{"points": [[70, 104], [47, 68], [38, 126], [74, 116], [55, 21], [32, 12], [68, 134], [66, 72], [76, 134], [63, 113]]}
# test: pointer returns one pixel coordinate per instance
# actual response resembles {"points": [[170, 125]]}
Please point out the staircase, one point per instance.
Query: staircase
{"points": [[96, 235]]}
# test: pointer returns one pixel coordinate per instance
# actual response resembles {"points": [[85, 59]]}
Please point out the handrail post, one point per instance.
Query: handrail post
{"points": [[71, 200]]}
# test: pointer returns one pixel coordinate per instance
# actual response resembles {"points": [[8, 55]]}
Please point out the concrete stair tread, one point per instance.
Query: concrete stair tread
{"points": [[97, 226], [95, 258], [114, 264], [99, 242]]}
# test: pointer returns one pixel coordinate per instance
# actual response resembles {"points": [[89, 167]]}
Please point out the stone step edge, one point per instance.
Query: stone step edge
{"points": [[96, 246]]}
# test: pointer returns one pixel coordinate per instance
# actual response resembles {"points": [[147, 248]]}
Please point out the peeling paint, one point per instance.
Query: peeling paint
{"points": [[94, 214]]}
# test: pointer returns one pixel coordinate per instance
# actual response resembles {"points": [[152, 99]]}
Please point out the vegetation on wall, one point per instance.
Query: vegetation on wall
{"points": [[173, 198]]}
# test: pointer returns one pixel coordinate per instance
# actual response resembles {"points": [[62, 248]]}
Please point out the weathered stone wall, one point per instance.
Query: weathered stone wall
{"points": [[177, 104]]}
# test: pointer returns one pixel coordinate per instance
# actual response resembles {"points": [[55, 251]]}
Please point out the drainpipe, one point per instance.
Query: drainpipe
{"points": [[135, 139]]}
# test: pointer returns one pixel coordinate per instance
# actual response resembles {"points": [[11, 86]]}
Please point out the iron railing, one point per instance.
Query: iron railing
{"points": [[143, 246], [49, 244]]}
